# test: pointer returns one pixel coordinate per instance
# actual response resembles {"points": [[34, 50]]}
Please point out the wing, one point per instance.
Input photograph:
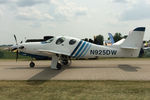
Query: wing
{"points": [[48, 52]]}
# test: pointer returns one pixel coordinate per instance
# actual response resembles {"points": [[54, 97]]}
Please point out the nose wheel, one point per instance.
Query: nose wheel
{"points": [[32, 64]]}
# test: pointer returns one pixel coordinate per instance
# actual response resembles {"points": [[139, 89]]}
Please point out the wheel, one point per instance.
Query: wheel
{"points": [[58, 66], [32, 64], [65, 62]]}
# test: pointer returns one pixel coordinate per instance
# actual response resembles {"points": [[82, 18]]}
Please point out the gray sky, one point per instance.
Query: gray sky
{"points": [[76, 18]]}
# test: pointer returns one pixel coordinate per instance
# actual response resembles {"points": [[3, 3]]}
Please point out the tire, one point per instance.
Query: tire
{"points": [[58, 66], [32, 64], [65, 62]]}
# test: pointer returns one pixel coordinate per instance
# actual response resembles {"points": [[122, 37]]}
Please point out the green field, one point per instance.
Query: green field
{"points": [[74, 90], [5, 54]]}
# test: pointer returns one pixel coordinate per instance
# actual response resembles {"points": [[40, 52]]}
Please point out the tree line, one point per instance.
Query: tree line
{"points": [[99, 39]]}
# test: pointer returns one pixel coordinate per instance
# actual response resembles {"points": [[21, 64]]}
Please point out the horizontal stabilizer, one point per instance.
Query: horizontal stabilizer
{"points": [[135, 48]]}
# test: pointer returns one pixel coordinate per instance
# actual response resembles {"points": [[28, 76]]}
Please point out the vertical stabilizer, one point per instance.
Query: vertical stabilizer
{"points": [[135, 39], [133, 43]]}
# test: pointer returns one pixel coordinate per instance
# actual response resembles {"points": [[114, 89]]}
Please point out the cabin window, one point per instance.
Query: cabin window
{"points": [[50, 40], [60, 40], [72, 41]]}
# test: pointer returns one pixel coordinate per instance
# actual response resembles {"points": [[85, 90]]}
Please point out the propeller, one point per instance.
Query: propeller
{"points": [[16, 48], [15, 39], [17, 55]]}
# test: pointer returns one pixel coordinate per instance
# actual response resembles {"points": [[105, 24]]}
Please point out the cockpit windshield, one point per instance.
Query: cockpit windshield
{"points": [[50, 40]]}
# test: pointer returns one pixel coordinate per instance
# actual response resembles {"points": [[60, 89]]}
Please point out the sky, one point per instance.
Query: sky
{"points": [[76, 18]]}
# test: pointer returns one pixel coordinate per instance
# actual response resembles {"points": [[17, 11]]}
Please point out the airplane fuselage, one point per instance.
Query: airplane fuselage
{"points": [[80, 49]]}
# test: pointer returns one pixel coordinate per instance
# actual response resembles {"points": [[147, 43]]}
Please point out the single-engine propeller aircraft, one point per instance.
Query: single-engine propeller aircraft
{"points": [[63, 48]]}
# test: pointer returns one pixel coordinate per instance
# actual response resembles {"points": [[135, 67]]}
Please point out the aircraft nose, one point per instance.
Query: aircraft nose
{"points": [[21, 47], [16, 47], [13, 48]]}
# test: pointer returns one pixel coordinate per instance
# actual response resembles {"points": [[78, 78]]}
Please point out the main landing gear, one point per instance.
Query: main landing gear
{"points": [[65, 60], [59, 66], [59, 60]]}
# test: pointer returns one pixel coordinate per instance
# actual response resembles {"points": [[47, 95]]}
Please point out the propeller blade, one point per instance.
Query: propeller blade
{"points": [[16, 39], [15, 49], [16, 55]]}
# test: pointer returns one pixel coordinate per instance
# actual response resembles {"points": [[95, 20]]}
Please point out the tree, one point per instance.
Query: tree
{"points": [[99, 40], [117, 37], [125, 36], [91, 41], [1, 54], [86, 39]]}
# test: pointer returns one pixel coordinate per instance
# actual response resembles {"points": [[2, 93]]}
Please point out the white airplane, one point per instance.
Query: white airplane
{"points": [[63, 48]]}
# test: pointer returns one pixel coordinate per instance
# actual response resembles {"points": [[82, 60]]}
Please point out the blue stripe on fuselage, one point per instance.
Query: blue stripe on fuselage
{"points": [[83, 50], [76, 48], [80, 49], [87, 50]]}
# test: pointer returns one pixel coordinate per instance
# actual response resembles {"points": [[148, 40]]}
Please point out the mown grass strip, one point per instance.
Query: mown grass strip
{"points": [[74, 90]]}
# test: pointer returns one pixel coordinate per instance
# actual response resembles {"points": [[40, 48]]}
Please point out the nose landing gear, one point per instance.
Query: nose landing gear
{"points": [[32, 64]]}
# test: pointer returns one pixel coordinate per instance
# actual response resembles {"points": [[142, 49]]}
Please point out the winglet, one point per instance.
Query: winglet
{"points": [[140, 29], [111, 38]]}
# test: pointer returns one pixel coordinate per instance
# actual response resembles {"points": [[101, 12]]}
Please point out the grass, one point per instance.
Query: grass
{"points": [[74, 90], [5, 54], [102, 58]]}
